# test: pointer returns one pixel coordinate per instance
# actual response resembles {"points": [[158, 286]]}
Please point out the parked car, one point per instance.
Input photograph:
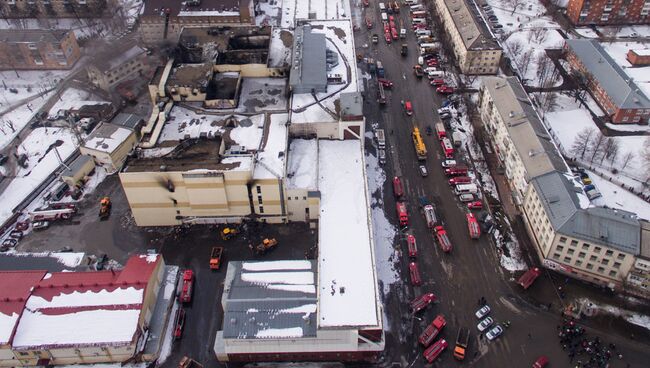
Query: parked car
{"points": [[445, 115], [495, 332], [497, 26], [385, 82], [414, 273], [476, 205], [432, 62], [541, 362], [467, 197], [16, 234], [443, 110], [444, 89], [437, 82], [482, 312], [448, 163], [485, 323], [423, 171], [10, 243], [40, 225], [586, 181], [179, 323]]}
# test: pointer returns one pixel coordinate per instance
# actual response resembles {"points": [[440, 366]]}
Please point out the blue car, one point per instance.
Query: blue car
{"points": [[446, 103], [589, 187]]}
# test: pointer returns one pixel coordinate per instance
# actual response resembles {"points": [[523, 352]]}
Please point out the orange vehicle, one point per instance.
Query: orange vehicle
{"points": [[215, 258]]}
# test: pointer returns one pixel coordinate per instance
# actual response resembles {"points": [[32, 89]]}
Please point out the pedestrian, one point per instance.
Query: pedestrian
{"points": [[530, 336]]}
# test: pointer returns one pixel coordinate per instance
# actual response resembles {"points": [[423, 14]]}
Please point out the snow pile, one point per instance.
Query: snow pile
{"points": [[616, 197], [347, 280], [68, 259], [21, 187], [383, 231], [276, 265], [527, 14], [274, 333], [87, 298]]}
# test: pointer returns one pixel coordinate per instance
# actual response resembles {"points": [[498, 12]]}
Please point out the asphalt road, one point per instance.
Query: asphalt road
{"points": [[472, 269]]}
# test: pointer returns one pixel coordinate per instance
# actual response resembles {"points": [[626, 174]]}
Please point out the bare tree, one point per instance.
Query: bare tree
{"points": [[582, 142], [596, 147], [515, 4], [646, 158], [515, 45], [524, 61], [625, 160], [539, 34], [610, 150]]}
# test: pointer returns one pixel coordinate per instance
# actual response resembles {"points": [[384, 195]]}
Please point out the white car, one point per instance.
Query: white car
{"points": [[40, 225], [487, 322], [443, 110], [495, 332], [430, 69], [467, 197], [423, 171], [448, 163], [484, 311]]}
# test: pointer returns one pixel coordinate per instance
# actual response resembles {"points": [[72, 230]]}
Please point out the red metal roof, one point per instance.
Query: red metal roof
{"points": [[15, 288]]}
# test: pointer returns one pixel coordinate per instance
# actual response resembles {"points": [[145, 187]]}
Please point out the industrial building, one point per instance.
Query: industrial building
{"points": [[38, 49], [78, 317], [116, 64]]}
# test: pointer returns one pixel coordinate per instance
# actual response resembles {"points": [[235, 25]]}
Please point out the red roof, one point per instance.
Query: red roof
{"points": [[15, 288]]}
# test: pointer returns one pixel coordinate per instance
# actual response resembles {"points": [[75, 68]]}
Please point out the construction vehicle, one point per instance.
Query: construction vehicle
{"points": [[462, 340], [420, 148], [266, 245], [215, 258], [418, 71], [228, 233], [187, 362], [430, 333], [104, 208]]}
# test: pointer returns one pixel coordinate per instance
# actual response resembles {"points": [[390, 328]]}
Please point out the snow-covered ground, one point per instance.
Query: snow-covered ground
{"points": [[586, 32], [46, 162], [616, 197], [383, 231], [638, 319], [12, 122], [527, 15], [73, 99], [269, 12], [527, 47], [70, 260]]}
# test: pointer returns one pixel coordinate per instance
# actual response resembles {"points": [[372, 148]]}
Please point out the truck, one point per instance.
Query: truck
{"points": [[402, 214], [432, 353], [412, 246], [405, 49], [418, 143], [447, 147], [381, 94], [462, 340], [430, 216], [430, 333], [266, 245], [457, 138], [422, 302], [443, 239], [380, 70], [52, 214], [187, 288], [466, 188], [215, 258], [398, 189], [529, 277], [433, 46], [472, 226], [381, 138], [440, 130], [418, 71], [456, 171]]}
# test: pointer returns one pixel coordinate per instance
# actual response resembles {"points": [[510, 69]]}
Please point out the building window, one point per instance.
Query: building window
{"points": [[560, 248], [567, 259], [259, 200], [593, 258], [556, 256], [620, 256], [259, 189], [261, 209], [570, 252], [590, 266], [578, 263], [562, 239], [597, 249], [612, 273], [604, 262], [609, 253], [585, 246], [601, 269], [617, 265], [581, 255], [574, 243]]}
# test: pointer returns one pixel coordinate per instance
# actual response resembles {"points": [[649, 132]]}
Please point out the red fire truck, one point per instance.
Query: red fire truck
{"points": [[414, 273], [434, 350], [402, 214], [412, 246], [529, 277], [472, 226], [443, 239], [440, 130], [430, 333], [398, 189], [447, 147], [188, 283], [422, 302]]}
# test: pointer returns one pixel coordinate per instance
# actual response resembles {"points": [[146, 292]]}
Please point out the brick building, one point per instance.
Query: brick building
{"points": [[616, 93], [606, 12], [639, 57], [56, 8], [38, 49]]}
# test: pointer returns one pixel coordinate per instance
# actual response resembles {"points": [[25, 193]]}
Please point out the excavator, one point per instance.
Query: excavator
{"points": [[104, 208], [229, 232]]}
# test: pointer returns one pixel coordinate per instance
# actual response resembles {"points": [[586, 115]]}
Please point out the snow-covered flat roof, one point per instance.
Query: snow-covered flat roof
{"points": [[271, 158], [302, 166], [107, 138], [642, 52], [347, 275]]}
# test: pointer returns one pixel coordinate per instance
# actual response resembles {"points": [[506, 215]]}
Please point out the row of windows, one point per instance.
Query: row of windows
{"points": [[579, 263], [586, 246]]}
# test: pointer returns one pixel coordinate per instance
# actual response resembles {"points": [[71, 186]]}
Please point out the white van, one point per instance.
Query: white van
{"points": [[402, 33], [435, 74], [419, 21], [420, 60], [419, 14], [417, 7], [382, 7], [384, 17], [411, 2], [422, 32], [466, 188]]}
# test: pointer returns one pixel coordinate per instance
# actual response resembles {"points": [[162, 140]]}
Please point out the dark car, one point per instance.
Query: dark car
{"points": [[101, 261], [3, 159], [9, 242], [179, 323], [16, 234]]}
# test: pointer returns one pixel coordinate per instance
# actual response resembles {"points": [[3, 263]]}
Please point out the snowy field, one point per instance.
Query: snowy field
{"points": [[269, 12], [527, 49], [528, 14], [617, 197], [12, 122], [46, 163], [73, 99]]}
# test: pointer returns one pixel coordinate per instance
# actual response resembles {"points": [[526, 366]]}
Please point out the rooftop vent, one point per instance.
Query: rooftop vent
{"points": [[553, 199]]}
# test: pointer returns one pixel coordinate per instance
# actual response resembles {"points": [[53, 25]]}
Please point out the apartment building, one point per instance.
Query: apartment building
{"points": [[615, 92], [608, 12], [475, 48], [597, 245], [165, 19], [56, 8], [116, 64], [520, 140], [38, 49]]}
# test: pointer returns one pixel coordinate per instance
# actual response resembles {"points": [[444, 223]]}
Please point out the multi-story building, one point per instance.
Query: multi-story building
{"points": [[608, 12], [165, 19], [520, 140], [616, 93], [475, 48], [38, 49], [56, 8], [62, 318], [116, 64]]}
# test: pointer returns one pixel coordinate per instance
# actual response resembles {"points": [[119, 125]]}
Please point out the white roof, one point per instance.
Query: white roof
{"points": [[7, 323], [347, 276], [642, 52], [302, 166], [67, 318], [107, 138], [272, 155]]}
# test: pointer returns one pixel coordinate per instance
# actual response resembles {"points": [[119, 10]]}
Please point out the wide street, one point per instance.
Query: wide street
{"points": [[472, 269]]}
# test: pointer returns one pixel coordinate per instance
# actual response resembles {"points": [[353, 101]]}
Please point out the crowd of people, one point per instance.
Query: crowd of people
{"points": [[584, 351]]}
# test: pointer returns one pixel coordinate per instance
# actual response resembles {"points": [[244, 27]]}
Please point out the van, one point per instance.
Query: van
{"points": [[426, 39], [467, 197], [382, 7], [466, 188], [411, 2], [422, 32], [419, 21], [419, 14], [417, 7], [420, 60], [435, 74], [382, 156], [402, 33], [384, 17]]}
